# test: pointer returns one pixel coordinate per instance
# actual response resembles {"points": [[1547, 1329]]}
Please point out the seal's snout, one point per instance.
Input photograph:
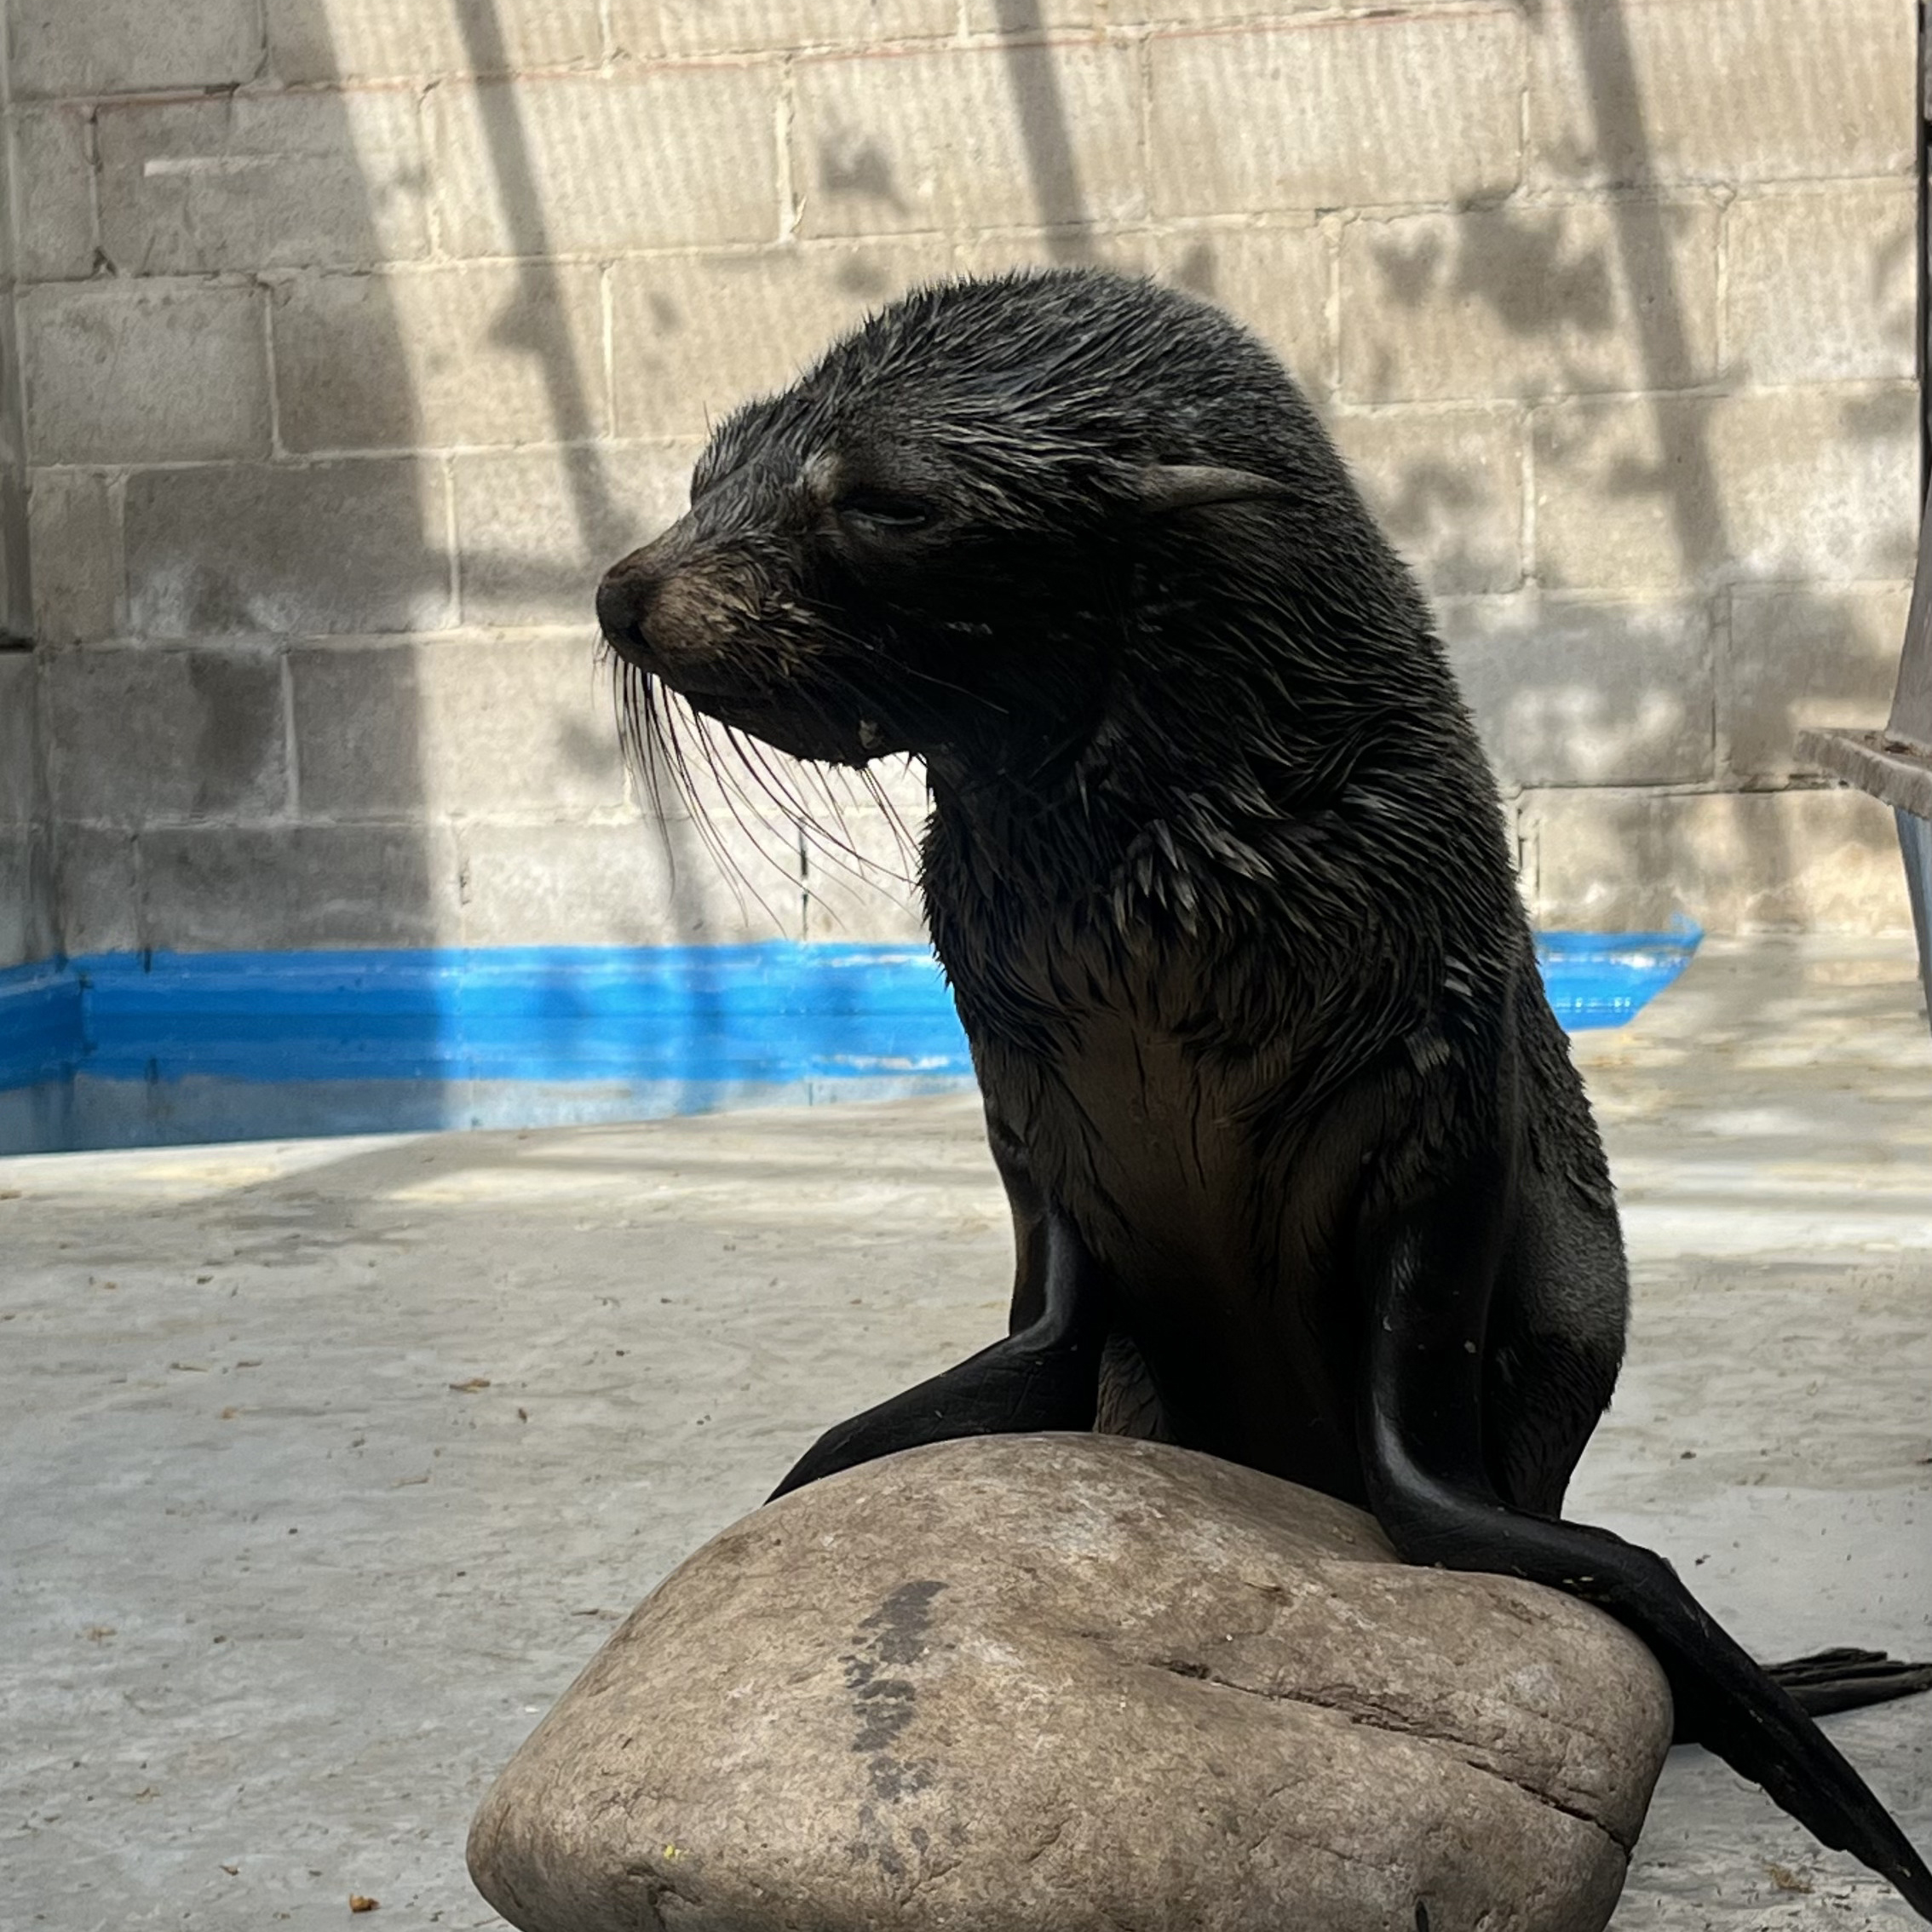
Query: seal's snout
{"points": [[624, 598], [682, 612]]}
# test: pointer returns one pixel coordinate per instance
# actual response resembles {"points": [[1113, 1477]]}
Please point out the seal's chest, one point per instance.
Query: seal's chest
{"points": [[1143, 1127]]}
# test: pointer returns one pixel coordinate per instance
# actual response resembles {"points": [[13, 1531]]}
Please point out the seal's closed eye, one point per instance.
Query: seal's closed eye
{"points": [[884, 510]]}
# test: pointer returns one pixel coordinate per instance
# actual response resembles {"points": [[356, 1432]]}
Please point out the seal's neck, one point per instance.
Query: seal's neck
{"points": [[1282, 755]]}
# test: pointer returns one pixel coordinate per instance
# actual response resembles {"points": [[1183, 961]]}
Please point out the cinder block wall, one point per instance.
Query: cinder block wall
{"points": [[28, 931], [358, 335]]}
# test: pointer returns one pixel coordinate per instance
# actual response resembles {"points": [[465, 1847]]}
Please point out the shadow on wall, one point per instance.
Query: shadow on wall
{"points": [[340, 550], [1774, 653], [1646, 715], [1683, 476], [1648, 710], [285, 610], [237, 829], [374, 857], [745, 849], [255, 591], [1040, 109], [604, 528]]}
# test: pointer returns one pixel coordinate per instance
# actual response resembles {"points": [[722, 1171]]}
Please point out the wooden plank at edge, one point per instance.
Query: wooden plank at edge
{"points": [[1873, 763]]}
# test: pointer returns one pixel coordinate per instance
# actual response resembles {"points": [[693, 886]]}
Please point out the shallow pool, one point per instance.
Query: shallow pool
{"points": [[137, 1049]]}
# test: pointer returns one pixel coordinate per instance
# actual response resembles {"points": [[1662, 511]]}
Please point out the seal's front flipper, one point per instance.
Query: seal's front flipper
{"points": [[1015, 1386], [1046, 1376], [1429, 1260], [1847, 1680]]}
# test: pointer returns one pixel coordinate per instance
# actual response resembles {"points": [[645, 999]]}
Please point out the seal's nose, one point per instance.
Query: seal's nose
{"points": [[623, 601]]}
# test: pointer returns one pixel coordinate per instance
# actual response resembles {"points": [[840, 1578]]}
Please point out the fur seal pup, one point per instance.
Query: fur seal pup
{"points": [[1300, 1171]]}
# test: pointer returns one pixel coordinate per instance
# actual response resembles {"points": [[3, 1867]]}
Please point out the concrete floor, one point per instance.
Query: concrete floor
{"points": [[327, 1465]]}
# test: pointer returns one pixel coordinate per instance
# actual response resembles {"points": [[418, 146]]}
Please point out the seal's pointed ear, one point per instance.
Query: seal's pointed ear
{"points": [[1191, 486]]}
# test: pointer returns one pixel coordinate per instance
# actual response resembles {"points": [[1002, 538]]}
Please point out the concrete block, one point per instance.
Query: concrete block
{"points": [[52, 177], [74, 537], [358, 724], [1358, 112], [1446, 486], [366, 40], [1587, 691], [1185, 14], [13, 419], [327, 546], [671, 158], [896, 784], [1819, 285], [1788, 484], [1820, 482], [860, 849], [1736, 862], [208, 888], [1626, 494], [23, 796], [735, 787], [1720, 90], [121, 46], [27, 930], [693, 336], [858, 832], [1131, 252], [463, 727], [475, 354], [18, 898], [137, 736], [538, 528], [16, 598], [651, 29], [641, 882], [97, 889], [255, 181], [1804, 654], [1275, 279], [1019, 16], [1530, 301], [861, 878], [144, 372], [982, 137]]}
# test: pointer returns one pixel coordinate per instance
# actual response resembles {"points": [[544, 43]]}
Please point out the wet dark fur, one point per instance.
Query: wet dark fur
{"points": [[1300, 1172]]}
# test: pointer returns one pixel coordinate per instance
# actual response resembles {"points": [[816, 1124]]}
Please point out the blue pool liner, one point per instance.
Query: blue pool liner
{"points": [[1607, 979], [139, 1048]]}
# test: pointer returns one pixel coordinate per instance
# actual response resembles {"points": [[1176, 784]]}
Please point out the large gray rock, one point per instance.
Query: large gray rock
{"points": [[1073, 1683]]}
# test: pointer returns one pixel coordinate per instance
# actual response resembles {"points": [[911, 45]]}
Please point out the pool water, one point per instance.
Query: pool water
{"points": [[142, 1050]]}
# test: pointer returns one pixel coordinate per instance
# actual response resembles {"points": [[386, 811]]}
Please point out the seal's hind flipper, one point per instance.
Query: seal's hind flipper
{"points": [[1725, 1701], [1847, 1680], [1046, 1376], [1426, 1253]]}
